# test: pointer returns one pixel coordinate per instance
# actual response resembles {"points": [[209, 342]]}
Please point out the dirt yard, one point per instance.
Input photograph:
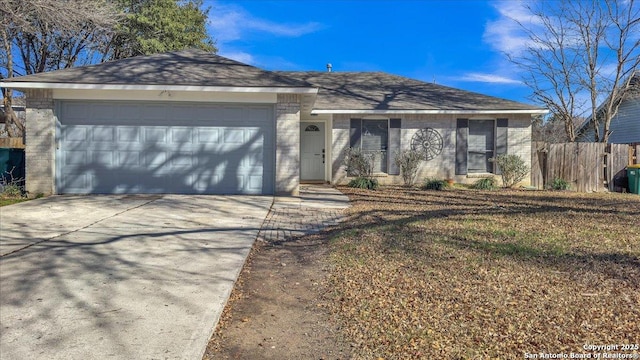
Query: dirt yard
{"points": [[456, 274], [278, 309]]}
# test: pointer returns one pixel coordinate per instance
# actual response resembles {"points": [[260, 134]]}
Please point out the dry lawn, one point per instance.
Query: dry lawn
{"points": [[465, 274]]}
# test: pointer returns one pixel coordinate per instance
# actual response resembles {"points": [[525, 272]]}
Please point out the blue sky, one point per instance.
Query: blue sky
{"points": [[458, 43]]}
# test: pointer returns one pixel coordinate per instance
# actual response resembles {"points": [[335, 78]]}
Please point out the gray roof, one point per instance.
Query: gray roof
{"points": [[188, 67], [382, 91], [336, 90]]}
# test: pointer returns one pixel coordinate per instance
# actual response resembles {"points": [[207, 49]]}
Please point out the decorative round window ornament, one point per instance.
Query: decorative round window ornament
{"points": [[428, 141]]}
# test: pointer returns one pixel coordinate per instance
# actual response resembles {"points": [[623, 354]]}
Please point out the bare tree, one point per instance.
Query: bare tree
{"points": [[548, 129], [49, 35], [580, 58]]}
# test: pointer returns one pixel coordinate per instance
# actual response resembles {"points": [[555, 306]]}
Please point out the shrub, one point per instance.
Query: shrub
{"points": [[485, 184], [10, 187], [559, 184], [408, 161], [363, 183], [512, 167], [358, 163], [10, 191], [434, 184]]}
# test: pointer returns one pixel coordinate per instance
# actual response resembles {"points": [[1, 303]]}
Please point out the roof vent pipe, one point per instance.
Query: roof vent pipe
{"points": [[329, 67]]}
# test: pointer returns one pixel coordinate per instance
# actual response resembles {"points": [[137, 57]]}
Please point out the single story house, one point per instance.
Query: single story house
{"points": [[625, 125], [194, 122]]}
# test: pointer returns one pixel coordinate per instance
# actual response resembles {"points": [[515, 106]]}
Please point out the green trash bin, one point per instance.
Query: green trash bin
{"points": [[12, 164], [633, 173]]}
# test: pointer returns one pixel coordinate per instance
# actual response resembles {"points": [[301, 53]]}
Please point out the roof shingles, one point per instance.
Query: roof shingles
{"points": [[188, 67], [367, 91], [382, 91]]}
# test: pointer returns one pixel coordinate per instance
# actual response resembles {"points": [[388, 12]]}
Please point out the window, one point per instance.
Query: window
{"points": [[477, 141], [377, 137], [375, 141], [312, 128], [481, 146]]}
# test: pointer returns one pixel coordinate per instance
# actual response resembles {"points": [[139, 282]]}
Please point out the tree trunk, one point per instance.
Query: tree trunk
{"points": [[13, 125]]}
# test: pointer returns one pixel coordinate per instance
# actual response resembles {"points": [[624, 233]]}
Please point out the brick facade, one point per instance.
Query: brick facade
{"points": [[288, 144], [443, 166], [41, 127], [40, 143]]}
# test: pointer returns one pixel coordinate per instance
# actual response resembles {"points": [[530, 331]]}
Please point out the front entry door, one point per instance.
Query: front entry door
{"points": [[312, 151]]}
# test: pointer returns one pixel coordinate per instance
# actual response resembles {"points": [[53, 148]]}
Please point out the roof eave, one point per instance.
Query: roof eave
{"points": [[234, 89], [431, 111]]}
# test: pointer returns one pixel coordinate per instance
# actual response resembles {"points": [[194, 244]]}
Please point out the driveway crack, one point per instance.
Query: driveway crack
{"points": [[78, 229]]}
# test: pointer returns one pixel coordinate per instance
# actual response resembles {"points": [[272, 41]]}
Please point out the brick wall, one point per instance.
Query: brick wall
{"points": [[288, 144], [519, 139], [40, 142], [442, 166]]}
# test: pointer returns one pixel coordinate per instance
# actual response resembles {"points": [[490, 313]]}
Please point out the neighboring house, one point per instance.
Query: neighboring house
{"points": [[625, 125], [193, 122]]}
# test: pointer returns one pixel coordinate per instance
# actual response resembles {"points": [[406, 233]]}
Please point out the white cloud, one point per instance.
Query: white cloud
{"points": [[231, 22], [505, 34], [488, 78], [240, 56]]}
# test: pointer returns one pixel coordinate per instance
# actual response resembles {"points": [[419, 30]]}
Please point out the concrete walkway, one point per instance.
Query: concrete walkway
{"points": [[121, 277], [317, 207]]}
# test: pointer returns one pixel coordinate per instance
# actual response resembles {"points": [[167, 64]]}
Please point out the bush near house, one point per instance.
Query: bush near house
{"points": [[360, 164], [408, 161], [434, 184], [513, 169], [485, 184], [363, 183], [11, 189]]}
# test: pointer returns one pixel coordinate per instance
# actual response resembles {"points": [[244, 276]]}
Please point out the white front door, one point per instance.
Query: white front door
{"points": [[312, 151]]}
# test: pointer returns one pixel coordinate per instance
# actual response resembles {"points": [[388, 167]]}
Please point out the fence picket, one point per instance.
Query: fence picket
{"points": [[588, 167], [11, 143]]}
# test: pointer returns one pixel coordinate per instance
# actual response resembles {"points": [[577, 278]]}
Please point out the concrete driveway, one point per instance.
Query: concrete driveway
{"points": [[123, 277]]}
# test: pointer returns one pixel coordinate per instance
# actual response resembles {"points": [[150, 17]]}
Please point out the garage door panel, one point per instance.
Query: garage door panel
{"points": [[254, 159], [128, 159], [212, 183], [155, 135], [155, 159], [255, 183], [115, 147], [128, 134], [181, 135], [105, 158], [75, 158], [76, 133], [78, 182], [208, 136], [182, 161], [233, 136], [103, 134]]}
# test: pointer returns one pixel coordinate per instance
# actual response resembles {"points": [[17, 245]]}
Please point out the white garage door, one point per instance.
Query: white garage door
{"points": [[177, 148]]}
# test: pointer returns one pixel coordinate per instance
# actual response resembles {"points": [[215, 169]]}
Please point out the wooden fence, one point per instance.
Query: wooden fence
{"points": [[13, 143], [587, 167]]}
